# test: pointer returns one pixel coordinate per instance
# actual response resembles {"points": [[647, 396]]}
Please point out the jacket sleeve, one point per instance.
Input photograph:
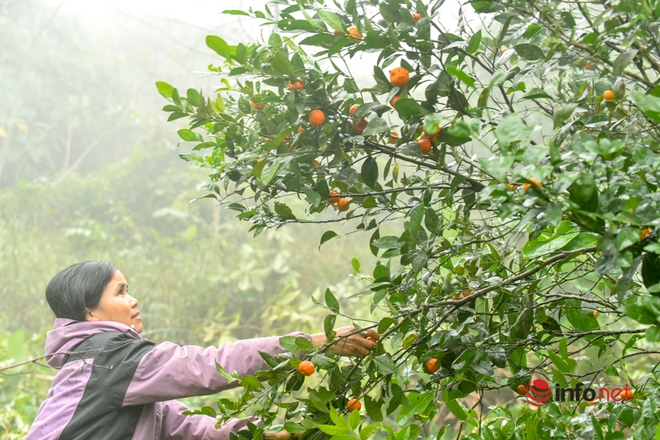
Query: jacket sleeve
{"points": [[170, 371], [176, 426]]}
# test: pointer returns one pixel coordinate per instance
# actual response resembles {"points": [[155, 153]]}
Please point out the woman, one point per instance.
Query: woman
{"points": [[113, 384]]}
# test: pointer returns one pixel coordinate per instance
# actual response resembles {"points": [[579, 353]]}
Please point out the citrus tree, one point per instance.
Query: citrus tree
{"points": [[506, 172]]}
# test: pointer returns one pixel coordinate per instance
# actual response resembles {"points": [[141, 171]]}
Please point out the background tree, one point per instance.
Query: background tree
{"points": [[506, 173]]}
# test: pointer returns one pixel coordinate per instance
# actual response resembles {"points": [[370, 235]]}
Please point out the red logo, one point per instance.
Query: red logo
{"points": [[538, 392]]}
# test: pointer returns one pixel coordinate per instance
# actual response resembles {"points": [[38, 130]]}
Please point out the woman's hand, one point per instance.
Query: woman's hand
{"points": [[349, 342], [281, 435]]}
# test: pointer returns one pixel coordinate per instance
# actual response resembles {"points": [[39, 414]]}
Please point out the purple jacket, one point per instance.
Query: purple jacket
{"points": [[117, 385]]}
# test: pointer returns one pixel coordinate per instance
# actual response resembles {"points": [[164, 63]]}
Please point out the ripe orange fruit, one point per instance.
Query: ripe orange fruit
{"points": [[354, 404], [342, 204], [536, 183], [306, 368], [337, 32], [394, 100], [353, 109], [627, 394], [353, 31], [316, 117], [522, 390], [416, 16], [360, 125], [432, 365], [644, 233], [512, 186], [399, 76], [465, 293], [256, 105], [425, 145], [298, 85], [455, 297], [333, 199], [394, 138], [259, 160], [589, 66], [317, 163], [300, 129], [596, 313], [608, 94]]}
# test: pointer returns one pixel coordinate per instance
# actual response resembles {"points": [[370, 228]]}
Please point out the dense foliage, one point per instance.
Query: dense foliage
{"points": [[506, 173]]}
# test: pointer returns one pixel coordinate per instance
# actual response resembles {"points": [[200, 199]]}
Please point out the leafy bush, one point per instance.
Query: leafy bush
{"points": [[507, 178]]}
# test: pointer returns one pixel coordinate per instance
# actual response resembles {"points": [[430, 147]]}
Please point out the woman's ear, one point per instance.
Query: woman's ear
{"points": [[89, 316]]}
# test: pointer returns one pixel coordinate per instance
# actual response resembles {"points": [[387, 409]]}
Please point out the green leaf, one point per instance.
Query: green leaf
{"points": [[580, 319], [563, 113], [164, 89], [510, 129], [194, 97], [529, 51], [497, 166], [389, 12], [454, 407], [293, 427], [331, 301], [374, 409], [622, 61], [188, 135], [354, 419], [219, 45], [384, 364], [282, 65], [584, 192], [650, 105], [284, 211], [650, 269], [269, 172], [370, 430], [331, 19], [236, 12], [334, 430], [474, 42], [461, 75], [376, 126], [296, 345], [327, 235], [407, 108], [536, 93]]}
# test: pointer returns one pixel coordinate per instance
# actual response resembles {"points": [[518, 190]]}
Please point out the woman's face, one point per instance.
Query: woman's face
{"points": [[117, 305]]}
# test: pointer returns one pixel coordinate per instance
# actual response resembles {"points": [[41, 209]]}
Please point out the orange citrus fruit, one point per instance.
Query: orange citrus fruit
{"points": [[431, 136], [337, 32], [394, 137], [609, 95], [425, 145], [399, 76], [306, 368], [316, 117], [455, 297], [596, 313], [317, 163], [465, 293], [360, 125], [644, 233], [416, 16], [522, 390], [354, 404], [342, 204], [333, 199], [432, 365], [298, 85], [256, 105], [353, 109], [394, 100], [300, 129], [589, 66], [627, 394], [353, 31]]}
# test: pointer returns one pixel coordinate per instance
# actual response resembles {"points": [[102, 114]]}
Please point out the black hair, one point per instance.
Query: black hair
{"points": [[79, 287]]}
